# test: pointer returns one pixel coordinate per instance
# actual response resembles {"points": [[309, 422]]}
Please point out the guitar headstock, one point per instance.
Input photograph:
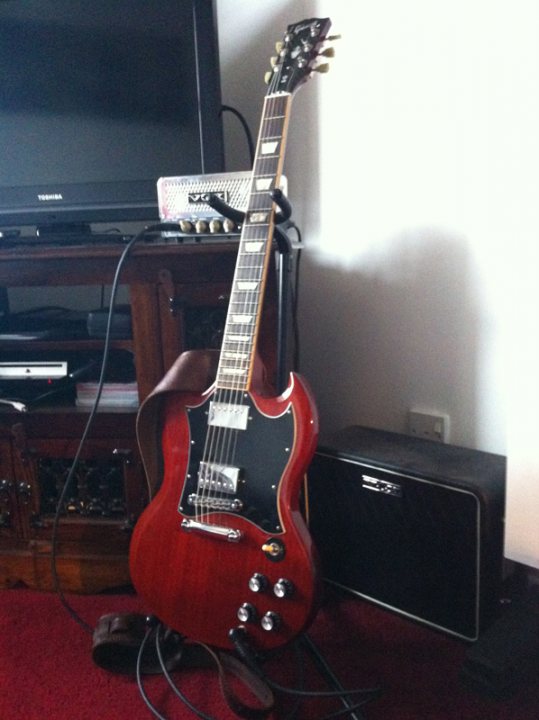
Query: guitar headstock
{"points": [[298, 53]]}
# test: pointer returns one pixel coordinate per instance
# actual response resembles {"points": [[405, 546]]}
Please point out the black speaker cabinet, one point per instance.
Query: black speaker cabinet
{"points": [[413, 525]]}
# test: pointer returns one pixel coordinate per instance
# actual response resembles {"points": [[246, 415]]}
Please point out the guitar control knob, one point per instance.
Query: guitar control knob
{"points": [[258, 583], [247, 613], [270, 621], [283, 588]]}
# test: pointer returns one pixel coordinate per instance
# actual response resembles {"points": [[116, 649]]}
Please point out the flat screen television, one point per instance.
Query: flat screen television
{"points": [[97, 101]]}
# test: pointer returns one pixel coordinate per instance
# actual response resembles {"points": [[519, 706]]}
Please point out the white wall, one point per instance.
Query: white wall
{"points": [[406, 168], [414, 173]]}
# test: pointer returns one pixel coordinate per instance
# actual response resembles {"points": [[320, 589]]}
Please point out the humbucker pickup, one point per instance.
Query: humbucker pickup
{"points": [[228, 415], [218, 477]]}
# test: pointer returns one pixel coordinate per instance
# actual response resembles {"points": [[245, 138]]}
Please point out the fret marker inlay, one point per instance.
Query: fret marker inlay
{"points": [[258, 217], [247, 285], [269, 148], [253, 247]]}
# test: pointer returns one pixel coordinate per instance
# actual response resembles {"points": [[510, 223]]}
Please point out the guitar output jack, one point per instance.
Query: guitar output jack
{"points": [[274, 549]]}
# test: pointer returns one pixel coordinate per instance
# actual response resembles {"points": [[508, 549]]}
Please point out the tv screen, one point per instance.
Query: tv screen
{"points": [[98, 100]]}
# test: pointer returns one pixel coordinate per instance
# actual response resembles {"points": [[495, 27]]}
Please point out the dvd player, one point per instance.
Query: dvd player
{"points": [[45, 370]]}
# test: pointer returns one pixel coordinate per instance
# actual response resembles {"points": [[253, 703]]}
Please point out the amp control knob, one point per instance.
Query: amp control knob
{"points": [[215, 226], [258, 583], [246, 613], [270, 621], [283, 588], [201, 226]]}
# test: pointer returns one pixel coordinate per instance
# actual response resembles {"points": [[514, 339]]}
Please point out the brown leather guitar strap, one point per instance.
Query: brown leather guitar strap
{"points": [[228, 665], [193, 371], [116, 644]]}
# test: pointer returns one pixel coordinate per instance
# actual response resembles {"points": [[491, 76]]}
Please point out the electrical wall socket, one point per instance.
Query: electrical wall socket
{"points": [[429, 426]]}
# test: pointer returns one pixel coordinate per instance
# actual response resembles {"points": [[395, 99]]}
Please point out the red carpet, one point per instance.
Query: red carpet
{"points": [[46, 670]]}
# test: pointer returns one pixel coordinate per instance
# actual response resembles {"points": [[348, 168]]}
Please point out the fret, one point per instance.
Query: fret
{"points": [[243, 299], [250, 269], [234, 363], [229, 355], [224, 385], [254, 233], [238, 306]]}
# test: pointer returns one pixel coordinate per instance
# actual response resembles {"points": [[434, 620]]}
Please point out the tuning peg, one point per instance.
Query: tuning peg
{"points": [[324, 68], [267, 77], [328, 52], [279, 46], [330, 38], [273, 61]]}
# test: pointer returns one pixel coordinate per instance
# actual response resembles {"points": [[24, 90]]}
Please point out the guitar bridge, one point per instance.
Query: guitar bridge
{"points": [[213, 503]]}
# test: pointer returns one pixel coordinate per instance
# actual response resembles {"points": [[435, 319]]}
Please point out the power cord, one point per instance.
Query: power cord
{"points": [[248, 135]]}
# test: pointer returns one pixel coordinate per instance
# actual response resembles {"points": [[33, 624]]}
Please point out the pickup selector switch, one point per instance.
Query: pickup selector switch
{"points": [[283, 588], [258, 583], [270, 621], [246, 613]]}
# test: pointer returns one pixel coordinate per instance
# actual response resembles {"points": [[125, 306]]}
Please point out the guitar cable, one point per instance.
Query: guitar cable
{"points": [[148, 230], [243, 650], [247, 655]]}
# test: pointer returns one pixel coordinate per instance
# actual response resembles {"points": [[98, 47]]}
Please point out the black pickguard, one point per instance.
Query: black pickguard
{"points": [[261, 452]]}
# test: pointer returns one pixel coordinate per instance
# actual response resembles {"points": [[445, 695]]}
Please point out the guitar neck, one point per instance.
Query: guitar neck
{"points": [[244, 311]]}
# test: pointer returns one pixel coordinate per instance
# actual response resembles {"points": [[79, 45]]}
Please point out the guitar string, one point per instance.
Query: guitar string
{"points": [[215, 439], [226, 440], [251, 269], [221, 442]]}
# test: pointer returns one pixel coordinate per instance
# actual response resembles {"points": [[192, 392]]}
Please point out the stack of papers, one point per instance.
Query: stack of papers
{"points": [[112, 394]]}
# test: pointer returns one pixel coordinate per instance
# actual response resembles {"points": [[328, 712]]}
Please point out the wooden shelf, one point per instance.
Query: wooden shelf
{"points": [[39, 445]]}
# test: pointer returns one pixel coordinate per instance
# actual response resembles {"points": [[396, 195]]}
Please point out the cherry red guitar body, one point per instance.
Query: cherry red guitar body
{"points": [[206, 562]]}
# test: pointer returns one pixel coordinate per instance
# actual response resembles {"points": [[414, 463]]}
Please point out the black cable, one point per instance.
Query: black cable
{"points": [[248, 135], [140, 684], [248, 656], [294, 290], [176, 690], [157, 227]]}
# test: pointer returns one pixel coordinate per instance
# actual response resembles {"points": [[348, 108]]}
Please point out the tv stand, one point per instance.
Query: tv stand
{"points": [[66, 234], [67, 229], [173, 289]]}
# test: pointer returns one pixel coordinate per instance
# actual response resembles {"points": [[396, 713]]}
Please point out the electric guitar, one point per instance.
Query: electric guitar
{"points": [[223, 544]]}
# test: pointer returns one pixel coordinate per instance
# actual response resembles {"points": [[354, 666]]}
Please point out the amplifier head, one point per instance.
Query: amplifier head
{"points": [[183, 199]]}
